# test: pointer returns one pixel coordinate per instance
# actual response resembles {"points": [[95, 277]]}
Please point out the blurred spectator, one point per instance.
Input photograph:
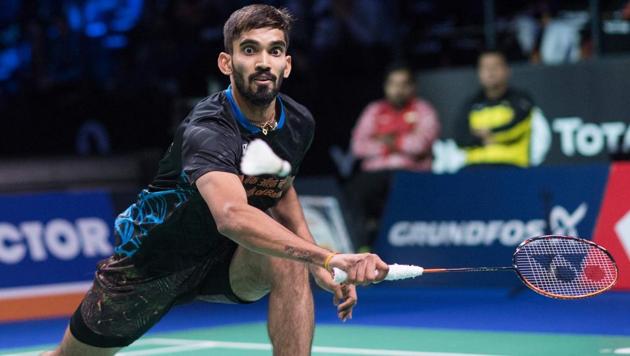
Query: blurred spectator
{"points": [[393, 133], [396, 132], [561, 39], [495, 125]]}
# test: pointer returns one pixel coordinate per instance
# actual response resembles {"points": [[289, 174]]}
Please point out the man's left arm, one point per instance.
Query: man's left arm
{"points": [[288, 212]]}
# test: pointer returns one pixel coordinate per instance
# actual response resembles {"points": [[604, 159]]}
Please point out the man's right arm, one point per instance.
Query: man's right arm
{"points": [[463, 135], [256, 231], [249, 226]]}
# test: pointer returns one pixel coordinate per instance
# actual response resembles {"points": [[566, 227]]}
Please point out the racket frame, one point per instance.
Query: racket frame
{"points": [[557, 296]]}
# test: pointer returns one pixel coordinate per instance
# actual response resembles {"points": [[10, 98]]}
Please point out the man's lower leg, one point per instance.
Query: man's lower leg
{"points": [[291, 315]]}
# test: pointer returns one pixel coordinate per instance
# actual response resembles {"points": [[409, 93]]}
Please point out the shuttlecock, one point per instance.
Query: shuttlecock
{"points": [[259, 158]]}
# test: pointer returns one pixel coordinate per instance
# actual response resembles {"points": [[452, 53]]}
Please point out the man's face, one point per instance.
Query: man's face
{"points": [[399, 88], [259, 64], [493, 71]]}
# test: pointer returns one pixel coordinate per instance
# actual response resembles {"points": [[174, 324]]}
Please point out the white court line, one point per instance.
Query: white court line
{"points": [[182, 345], [175, 345], [45, 289]]}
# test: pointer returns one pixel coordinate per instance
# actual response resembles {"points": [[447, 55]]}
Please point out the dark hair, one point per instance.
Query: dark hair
{"points": [[255, 16], [492, 52], [400, 67]]}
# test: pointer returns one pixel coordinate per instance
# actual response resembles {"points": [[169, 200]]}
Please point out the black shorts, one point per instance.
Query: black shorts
{"points": [[125, 301]]}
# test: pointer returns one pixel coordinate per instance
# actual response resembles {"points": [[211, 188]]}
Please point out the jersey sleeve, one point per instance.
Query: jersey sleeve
{"points": [[210, 145], [522, 104]]}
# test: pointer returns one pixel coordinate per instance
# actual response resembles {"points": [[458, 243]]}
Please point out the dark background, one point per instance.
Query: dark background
{"points": [[126, 71]]}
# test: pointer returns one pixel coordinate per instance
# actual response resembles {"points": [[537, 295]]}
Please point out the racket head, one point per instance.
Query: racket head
{"points": [[565, 267]]}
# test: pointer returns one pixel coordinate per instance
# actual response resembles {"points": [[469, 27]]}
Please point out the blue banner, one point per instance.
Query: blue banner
{"points": [[478, 217], [53, 238]]}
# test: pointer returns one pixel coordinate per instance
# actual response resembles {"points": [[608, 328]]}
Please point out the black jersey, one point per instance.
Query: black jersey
{"points": [[170, 220]]}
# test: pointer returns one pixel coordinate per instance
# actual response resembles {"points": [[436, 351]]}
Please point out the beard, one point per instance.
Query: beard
{"points": [[262, 95]]}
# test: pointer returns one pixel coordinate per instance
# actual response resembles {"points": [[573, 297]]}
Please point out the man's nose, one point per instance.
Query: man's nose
{"points": [[263, 62]]}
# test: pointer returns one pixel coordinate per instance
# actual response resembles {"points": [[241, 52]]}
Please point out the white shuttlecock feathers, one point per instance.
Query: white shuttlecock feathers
{"points": [[259, 158], [395, 273]]}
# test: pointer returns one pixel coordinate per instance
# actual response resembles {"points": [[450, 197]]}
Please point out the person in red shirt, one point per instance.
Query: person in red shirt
{"points": [[394, 133]]}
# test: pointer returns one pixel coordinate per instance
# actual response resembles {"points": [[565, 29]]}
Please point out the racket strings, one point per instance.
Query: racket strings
{"points": [[565, 267]]}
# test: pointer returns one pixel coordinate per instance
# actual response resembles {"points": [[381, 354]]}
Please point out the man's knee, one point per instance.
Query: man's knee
{"points": [[252, 275], [285, 272]]}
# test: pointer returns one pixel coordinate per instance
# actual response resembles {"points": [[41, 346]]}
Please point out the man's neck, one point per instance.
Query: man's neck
{"points": [[400, 106], [257, 115], [495, 93]]}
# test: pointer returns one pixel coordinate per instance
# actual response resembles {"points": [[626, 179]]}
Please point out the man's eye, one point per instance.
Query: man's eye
{"points": [[276, 51], [248, 50]]}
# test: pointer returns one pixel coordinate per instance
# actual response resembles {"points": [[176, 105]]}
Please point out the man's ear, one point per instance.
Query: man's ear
{"points": [[224, 62], [287, 69]]}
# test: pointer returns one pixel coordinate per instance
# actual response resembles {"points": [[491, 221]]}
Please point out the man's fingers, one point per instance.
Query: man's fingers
{"points": [[348, 303], [343, 316], [344, 310], [382, 269], [360, 267], [352, 275], [338, 295], [370, 267]]}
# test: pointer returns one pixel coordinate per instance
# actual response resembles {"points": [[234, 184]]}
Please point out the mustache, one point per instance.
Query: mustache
{"points": [[265, 75]]}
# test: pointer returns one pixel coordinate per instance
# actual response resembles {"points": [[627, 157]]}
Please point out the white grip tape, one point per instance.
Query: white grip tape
{"points": [[396, 272]]}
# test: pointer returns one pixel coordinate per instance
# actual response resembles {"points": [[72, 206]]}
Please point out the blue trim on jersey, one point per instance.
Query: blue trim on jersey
{"points": [[240, 117], [151, 209]]}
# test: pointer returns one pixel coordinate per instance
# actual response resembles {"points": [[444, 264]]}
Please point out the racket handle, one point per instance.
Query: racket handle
{"points": [[395, 273]]}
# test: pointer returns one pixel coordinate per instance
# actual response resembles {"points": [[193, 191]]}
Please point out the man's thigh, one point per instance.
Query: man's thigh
{"points": [[123, 302], [248, 276], [253, 275]]}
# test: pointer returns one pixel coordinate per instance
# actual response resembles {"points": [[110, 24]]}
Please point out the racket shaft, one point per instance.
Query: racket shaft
{"points": [[468, 269]]}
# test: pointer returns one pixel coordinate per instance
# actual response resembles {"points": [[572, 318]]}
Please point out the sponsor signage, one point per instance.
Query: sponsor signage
{"points": [[582, 116], [566, 139], [49, 245], [613, 224], [478, 217]]}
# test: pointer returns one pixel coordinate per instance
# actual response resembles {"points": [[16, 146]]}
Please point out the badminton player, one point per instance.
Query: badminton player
{"points": [[201, 230]]}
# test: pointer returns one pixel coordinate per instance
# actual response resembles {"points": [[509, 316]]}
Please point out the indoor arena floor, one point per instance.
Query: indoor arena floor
{"points": [[387, 321]]}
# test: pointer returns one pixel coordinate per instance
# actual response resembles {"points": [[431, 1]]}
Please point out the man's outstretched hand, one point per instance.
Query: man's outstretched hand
{"points": [[345, 295], [362, 268]]}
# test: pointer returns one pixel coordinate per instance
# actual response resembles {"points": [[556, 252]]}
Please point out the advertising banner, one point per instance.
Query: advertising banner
{"points": [[582, 116], [49, 247], [613, 224], [478, 217]]}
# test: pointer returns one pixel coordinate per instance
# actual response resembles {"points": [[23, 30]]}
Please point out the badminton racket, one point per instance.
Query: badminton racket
{"points": [[555, 266]]}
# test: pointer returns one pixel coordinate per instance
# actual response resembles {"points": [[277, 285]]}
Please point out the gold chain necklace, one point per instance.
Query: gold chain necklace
{"points": [[268, 126]]}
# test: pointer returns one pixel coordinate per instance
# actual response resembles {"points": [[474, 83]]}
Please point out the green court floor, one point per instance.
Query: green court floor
{"points": [[251, 339]]}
